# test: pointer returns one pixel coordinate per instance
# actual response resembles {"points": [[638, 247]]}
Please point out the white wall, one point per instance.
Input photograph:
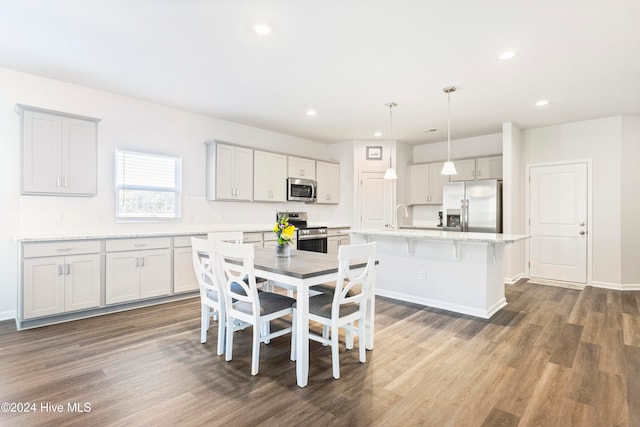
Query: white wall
{"points": [[133, 124], [512, 201], [600, 141], [630, 199]]}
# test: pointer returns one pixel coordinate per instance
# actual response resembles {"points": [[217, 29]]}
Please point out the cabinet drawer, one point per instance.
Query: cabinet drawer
{"points": [[185, 241], [253, 237], [71, 247], [137, 244]]}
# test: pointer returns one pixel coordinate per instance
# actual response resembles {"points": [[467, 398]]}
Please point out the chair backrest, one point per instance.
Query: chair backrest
{"points": [[203, 253], [234, 265], [353, 286], [226, 236]]}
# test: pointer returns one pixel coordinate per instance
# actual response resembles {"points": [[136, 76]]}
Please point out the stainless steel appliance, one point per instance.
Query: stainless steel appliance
{"points": [[312, 239], [301, 190], [473, 206]]}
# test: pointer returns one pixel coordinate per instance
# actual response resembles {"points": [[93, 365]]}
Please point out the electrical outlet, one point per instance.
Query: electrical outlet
{"points": [[421, 275]]}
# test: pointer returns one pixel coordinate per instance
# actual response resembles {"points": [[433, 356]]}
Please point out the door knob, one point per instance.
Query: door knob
{"points": [[582, 224], [582, 232]]}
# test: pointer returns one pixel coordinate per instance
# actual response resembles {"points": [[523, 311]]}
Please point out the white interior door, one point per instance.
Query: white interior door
{"points": [[375, 200], [558, 222]]}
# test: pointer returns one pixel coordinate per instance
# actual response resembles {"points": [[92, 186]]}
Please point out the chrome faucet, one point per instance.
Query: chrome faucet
{"points": [[396, 226]]}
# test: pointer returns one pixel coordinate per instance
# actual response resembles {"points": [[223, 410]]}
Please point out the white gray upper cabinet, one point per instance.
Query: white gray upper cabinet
{"points": [[59, 152], [328, 177], [299, 167], [229, 172]]}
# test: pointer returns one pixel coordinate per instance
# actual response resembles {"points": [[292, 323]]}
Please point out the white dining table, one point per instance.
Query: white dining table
{"points": [[300, 271]]}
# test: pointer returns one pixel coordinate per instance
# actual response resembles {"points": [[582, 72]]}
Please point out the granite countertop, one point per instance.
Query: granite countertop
{"points": [[130, 232], [421, 234]]}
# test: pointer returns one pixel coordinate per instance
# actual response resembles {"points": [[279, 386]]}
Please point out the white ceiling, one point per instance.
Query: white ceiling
{"points": [[343, 58]]}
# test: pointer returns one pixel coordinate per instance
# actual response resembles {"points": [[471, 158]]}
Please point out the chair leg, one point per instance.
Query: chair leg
{"points": [[362, 342], [266, 331], [255, 352], [204, 323], [349, 336], [222, 327], [294, 329], [335, 355], [325, 333], [229, 338]]}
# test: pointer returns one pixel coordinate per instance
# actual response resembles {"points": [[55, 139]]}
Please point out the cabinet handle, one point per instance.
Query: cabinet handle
{"points": [[65, 182], [137, 262], [140, 245], [67, 269], [142, 261], [58, 181], [59, 270]]}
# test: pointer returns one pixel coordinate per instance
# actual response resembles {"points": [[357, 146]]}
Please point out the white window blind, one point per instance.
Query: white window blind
{"points": [[148, 186]]}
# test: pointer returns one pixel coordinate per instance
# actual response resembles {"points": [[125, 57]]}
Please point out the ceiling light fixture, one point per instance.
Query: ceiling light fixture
{"points": [[390, 173], [377, 134], [262, 29], [311, 113], [507, 55], [449, 168], [542, 103]]}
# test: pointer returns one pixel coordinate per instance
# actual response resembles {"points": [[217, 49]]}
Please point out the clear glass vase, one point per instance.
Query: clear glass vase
{"points": [[283, 250]]}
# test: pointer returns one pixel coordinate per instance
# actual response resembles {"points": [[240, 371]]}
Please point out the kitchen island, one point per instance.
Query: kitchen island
{"points": [[455, 271]]}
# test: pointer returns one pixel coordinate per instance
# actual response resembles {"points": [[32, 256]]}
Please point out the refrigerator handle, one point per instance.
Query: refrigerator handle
{"points": [[466, 215], [462, 215]]}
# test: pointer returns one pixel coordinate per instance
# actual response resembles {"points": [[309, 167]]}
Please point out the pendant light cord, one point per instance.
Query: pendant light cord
{"points": [[390, 129], [449, 127]]}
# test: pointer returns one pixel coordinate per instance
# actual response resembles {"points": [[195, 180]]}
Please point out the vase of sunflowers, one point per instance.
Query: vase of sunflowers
{"points": [[285, 232]]}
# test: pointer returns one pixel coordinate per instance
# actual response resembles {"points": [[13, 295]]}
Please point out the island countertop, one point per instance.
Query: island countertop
{"points": [[443, 235]]}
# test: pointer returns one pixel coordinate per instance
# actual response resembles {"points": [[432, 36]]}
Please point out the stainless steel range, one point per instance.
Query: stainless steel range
{"points": [[312, 239]]}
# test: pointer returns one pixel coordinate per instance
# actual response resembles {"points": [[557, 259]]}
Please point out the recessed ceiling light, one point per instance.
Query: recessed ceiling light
{"points": [[507, 55], [311, 112], [377, 133], [262, 29], [542, 103]]}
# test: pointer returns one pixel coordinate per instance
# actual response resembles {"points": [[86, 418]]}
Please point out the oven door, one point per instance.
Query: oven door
{"points": [[313, 244]]}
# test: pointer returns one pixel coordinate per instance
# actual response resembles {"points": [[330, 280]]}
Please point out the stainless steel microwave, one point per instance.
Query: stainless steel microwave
{"points": [[301, 190]]}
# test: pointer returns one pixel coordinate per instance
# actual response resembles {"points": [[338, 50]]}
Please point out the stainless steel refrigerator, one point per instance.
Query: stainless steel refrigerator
{"points": [[473, 206]]}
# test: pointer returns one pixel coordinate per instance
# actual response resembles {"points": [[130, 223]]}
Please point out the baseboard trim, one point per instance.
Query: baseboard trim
{"points": [[463, 309], [616, 286], [515, 279], [557, 283], [7, 315]]}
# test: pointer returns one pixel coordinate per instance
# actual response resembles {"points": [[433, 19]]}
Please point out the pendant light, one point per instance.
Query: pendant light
{"points": [[390, 173], [449, 168]]}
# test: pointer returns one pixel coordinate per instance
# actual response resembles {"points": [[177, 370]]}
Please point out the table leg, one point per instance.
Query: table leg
{"points": [[302, 339]]}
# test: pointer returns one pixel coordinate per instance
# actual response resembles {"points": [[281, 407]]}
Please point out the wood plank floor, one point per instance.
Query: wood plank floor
{"points": [[552, 357]]}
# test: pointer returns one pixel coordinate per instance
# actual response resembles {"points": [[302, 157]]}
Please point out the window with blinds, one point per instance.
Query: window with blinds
{"points": [[148, 186]]}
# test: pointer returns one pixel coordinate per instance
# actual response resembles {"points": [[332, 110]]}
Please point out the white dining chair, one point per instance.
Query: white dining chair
{"points": [[212, 301], [346, 305], [234, 264]]}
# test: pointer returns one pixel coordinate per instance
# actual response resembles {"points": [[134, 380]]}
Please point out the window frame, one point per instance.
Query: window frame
{"points": [[177, 190]]}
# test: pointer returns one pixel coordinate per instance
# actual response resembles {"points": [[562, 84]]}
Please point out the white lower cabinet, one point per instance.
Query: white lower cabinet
{"points": [[335, 239], [137, 274], [184, 276], [55, 283]]}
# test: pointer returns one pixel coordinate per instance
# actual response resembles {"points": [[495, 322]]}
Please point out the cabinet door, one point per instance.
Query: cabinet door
{"points": [[79, 157], [82, 282], [43, 287], [418, 184], [184, 277], [243, 173], [225, 171], [466, 170], [269, 177], [122, 277], [332, 245], [42, 152], [489, 167], [155, 273], [301, 168], [436, 183], [328, 176]]}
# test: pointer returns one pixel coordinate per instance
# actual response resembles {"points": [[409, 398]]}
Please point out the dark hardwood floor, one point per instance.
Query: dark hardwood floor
{"points": [[552, 357]]}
